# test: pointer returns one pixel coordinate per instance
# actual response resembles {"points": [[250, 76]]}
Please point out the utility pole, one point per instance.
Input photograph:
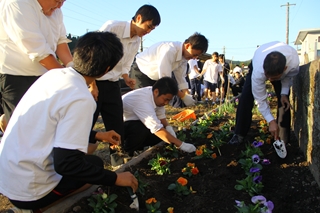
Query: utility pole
{"points": [[224, 50], [287, 33]]}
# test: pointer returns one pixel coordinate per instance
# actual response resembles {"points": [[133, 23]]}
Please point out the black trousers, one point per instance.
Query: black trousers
{"points": [[137, 136], [109, 105], [65, 187], [12, 89], [236, 90], [244, 110], [142, 80], [196, 87]]}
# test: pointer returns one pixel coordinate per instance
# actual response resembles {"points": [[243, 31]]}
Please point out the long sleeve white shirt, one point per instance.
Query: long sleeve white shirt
{"points": [[27, 36], [139, 105], [258, 78], [163, 58], [130, 48]]}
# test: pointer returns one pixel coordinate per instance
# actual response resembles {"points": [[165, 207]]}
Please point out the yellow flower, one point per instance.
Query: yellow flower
{"points": [[182, 181], [199, 152], [184, 170], [151, 200], [190, 165], [170, 210]]}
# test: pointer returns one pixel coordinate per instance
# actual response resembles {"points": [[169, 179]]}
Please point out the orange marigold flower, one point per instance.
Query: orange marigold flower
{"points": [[170, 210], [209, 136], [268, 141], [194, 170], [202, 147], [151, 200], [190, 165], [199, 152], [214, 155], [182, 181]]}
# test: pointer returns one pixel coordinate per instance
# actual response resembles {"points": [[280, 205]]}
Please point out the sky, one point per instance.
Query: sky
{"points": [[233, 27]]}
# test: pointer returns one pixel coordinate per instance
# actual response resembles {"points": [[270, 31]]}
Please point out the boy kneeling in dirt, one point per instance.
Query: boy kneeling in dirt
{"points": [[43, 152], [145, 122]]}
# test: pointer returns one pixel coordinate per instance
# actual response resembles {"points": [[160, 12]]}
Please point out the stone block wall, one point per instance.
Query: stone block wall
{"points": [[305, 100]]}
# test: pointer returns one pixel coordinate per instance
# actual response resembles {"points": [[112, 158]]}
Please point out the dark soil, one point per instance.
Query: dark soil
{"points": [[287, 182]]}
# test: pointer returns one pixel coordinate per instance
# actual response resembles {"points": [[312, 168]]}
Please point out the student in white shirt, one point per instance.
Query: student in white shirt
{"points": [[145, 122], [43, 156], [167, 58], [32, 34], [108, 92], [211, 70], [278, 63]]}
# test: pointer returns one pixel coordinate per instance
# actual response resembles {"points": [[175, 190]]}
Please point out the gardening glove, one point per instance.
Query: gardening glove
{"points": [[188, 100], [171, 131], [187, 147]]}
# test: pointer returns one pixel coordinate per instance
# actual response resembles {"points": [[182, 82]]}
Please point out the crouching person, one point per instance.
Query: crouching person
{"points": [[145, 121], [49, 163]]}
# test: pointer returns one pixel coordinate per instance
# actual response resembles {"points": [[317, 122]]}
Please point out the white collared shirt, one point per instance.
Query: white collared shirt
{"points": [[212, 70], [258, 78], [139, 105], [192, 74], [27, 36], [26, 160], [130, 48], [163, 58]]}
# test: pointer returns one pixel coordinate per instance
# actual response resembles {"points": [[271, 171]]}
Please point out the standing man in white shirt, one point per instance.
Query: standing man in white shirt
{"points": [[211, 70], [145, 122], [195, 84], [278, 63], [108, 91], [32, 34], [167, 58]]}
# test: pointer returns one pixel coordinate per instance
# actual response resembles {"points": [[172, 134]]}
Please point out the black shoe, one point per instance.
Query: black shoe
{"points": [[236, 139]]}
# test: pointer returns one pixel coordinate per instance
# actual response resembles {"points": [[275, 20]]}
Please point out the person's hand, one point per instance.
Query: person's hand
{"points": [[171, 131], [188, 100], [109, 136], [274, 129], [94, 91], [130, 82], [187, 147], [127, 179], [285, 102]]}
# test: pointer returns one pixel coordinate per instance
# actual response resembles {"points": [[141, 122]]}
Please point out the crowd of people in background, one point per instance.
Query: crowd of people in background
{"points": [[51, 99]]}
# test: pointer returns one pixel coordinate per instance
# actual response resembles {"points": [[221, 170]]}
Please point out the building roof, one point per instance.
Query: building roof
{"points": [[303, 34]]}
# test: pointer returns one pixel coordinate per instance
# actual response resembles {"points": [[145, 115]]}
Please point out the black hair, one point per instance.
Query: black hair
{"points": [[166, 85], [148, 13], [198, 42], [274, 64], [95, 52]]}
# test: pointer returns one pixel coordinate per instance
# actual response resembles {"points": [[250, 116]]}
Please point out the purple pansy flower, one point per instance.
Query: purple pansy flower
{"points": [[257, 179], [257, 144], [265, 162], [239, 203], [255, 159], [254, 170], [258, 199]]}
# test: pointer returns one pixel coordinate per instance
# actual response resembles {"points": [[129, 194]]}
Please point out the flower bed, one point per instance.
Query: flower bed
{"points": [[287, 182]]}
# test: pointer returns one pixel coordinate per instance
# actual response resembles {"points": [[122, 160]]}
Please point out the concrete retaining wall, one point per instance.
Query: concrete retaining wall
{"points": [[305, 100]]}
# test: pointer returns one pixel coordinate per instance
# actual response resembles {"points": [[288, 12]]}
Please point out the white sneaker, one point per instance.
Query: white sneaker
{"points": [[280, 148]]}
